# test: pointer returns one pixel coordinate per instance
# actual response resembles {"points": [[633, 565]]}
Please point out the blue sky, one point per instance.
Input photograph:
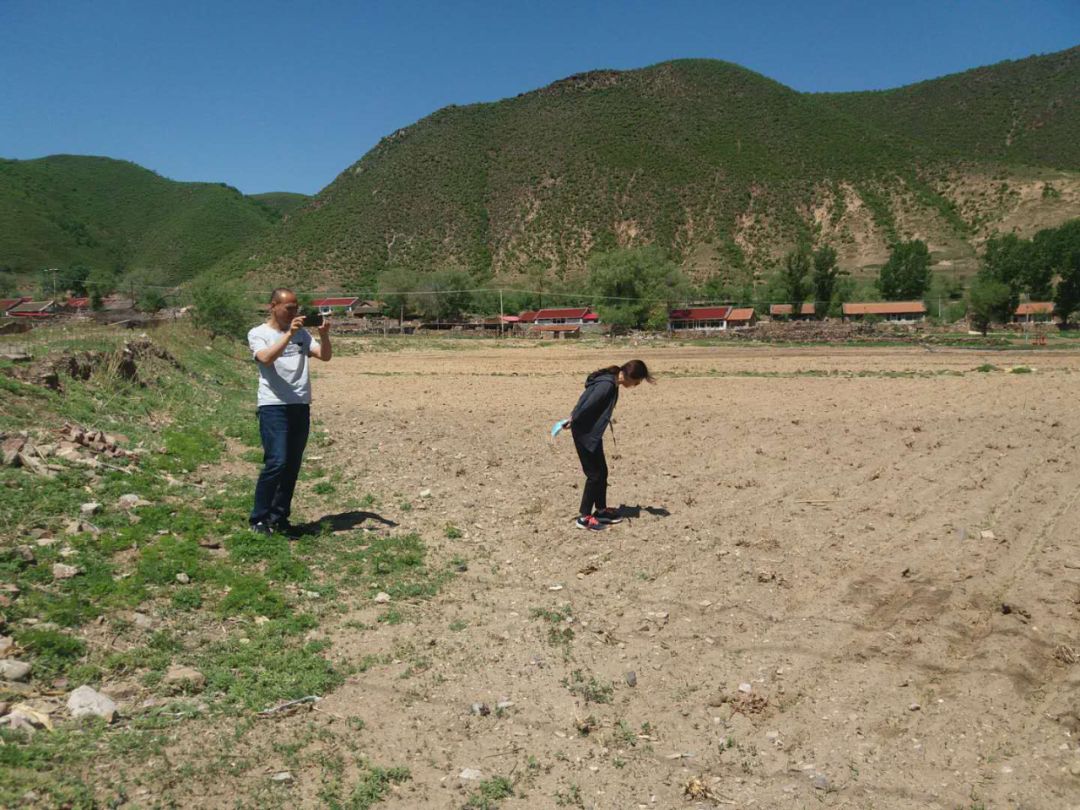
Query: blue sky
{"points": [[282, 96]]}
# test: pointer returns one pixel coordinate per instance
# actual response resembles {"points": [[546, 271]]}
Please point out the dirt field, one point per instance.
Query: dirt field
{"points": [[850, 579]]}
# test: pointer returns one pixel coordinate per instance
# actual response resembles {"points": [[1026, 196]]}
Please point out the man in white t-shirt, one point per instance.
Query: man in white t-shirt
{"points": [[281, 346]]}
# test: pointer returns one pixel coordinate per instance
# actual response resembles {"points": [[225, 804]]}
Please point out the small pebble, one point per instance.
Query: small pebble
{"points": [[631, 678]]}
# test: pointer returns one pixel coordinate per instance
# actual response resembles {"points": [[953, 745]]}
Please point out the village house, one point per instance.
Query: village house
{"points": [[894, 311], [1034, 312], [335, 306], [8, 304], [576, 315], [33, 309], [786, 312], [741, 318], [705, 319]]}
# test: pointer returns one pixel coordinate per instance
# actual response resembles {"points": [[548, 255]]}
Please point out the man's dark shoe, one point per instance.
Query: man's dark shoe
{"points": [[284, 527], [262, 528]]}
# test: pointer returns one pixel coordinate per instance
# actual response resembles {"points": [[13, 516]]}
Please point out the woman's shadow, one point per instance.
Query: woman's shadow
{"points": [[632, 512], [341, 522]]}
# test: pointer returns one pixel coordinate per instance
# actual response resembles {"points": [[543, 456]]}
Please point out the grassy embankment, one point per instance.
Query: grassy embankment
{"points": [[177, 582]]}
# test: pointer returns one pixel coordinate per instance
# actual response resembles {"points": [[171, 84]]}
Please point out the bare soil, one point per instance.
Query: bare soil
{"points": [[878, 544]]}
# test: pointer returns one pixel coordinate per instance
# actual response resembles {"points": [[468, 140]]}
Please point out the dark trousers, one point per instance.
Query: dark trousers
{"points": [[594, 465], [284, 430]]}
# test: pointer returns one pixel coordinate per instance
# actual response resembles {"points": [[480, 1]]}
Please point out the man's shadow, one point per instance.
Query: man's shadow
{"points": [[341, 522], [632, 512]]}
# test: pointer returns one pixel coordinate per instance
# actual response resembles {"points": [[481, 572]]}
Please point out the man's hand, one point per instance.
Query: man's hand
{"points": [[324, 329], [296, 325]]}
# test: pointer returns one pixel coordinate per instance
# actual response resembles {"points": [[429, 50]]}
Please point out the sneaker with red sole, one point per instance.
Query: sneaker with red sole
{"points": [[589, 522], [609, 516]]}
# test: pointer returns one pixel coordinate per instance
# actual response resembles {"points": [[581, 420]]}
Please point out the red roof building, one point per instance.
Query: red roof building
{"points": [[33, 309], [886, 310], [1031, 311], [528, 316], [705, 318], [787, 310], [8, 304], [77, 304], [566, 315]]}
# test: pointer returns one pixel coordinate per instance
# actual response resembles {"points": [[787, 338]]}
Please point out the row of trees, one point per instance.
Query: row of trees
{"points": [[1013, 266]]}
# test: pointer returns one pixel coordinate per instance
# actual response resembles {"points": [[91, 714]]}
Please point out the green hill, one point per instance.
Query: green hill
{"points": [[1025, 111], [64, 210], [282, 202], [723, 166]]}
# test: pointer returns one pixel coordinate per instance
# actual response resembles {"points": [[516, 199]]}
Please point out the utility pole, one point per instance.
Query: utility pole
{"points": [[501, 322]]}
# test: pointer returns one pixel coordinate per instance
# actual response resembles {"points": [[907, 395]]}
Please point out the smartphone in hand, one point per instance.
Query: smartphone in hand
{"points": [[313, 319]]}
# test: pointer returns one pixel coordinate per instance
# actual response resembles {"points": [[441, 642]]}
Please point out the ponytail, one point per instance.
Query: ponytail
{"points": [[633, 369]]}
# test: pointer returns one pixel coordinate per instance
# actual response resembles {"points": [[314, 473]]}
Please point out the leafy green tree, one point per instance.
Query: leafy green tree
{"points": [[101, 281], [633, 285], [826, 273], [793, 276], [989, 300], [395, 284], [1067, 295], [73, 280], [221, 307], [7, 284], [444, 295], [151, 299], [1011, 261], [906, 275]]}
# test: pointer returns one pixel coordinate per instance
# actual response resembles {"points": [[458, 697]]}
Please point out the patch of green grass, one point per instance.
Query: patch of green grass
{"points": [[985, 368], [452, 532], [251, 594], [1020, 370], [488, 792], [265, 667], [559, 633], [374, 784], [54, 652], [324, 488], [588, 689], [458, 625]]}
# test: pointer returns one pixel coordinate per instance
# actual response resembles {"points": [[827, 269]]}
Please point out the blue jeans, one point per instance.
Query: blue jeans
{"points": [[284, 430]]}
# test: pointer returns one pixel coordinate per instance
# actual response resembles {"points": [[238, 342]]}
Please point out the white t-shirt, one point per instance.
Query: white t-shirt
{"points": [[286, 381]]}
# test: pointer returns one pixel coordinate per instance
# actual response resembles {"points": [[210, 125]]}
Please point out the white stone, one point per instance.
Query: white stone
{"points": [[85, 702], [470, 775], [90, 508], [381, 598], [64, 571], [14, 670]]}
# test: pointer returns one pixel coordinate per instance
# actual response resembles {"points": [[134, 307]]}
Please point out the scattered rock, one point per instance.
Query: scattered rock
{"points": [[26, 554], [746, 688], [470, 775], [23, 715], [131, 501], [65, 571], [502, 705], [820, 781], [381, 598], [85, 702], [10, 449], [481, 709], [90, 508], [183, 578], [425, 493], [14, 670], [282, 777], [4, 706], [986, 534], [914, 707], [7, 644], [79, 527], [631, 678], [178, 677]]}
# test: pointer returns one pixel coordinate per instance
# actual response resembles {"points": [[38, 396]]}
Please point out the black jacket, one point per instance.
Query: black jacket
{"points": [[592, 413]]}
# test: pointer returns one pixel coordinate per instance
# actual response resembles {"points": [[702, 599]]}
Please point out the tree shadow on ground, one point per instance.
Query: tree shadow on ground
{"points": [[342, 522]]}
